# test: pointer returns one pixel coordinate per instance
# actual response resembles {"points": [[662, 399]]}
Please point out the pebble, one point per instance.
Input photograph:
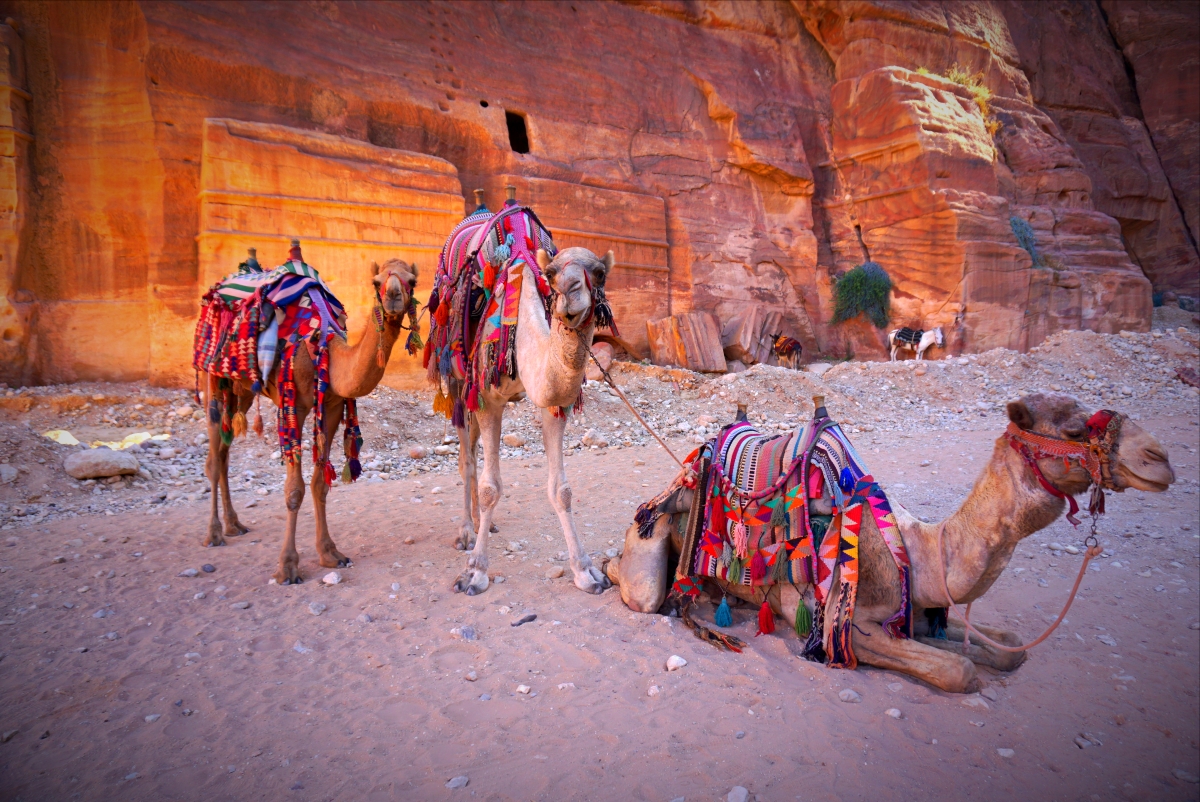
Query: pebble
{"points": [[523, 689], [153, 717], [566, 686], [243, 605], [59, 560], [364, 618], [976, 702], [192, 656], [471, 676], [208, 568], [1186, 776], [1071, 550], [740, 734], [458, 782], [486, 697], [1006, 753], [102, 613], [468, 633], [525, 619], [332, 578], [8, 736], [1107, 640], [418, 452], [989, 693], [675, 662], [849, 696], [200, 595], [893, 712], [653, 690], [738, 793], [99, 463], [894, 686], [555, 572], [189, 572], [316, 608], [301, 648], [593, 438], [443, 450], [408, 541], [513, 440]]}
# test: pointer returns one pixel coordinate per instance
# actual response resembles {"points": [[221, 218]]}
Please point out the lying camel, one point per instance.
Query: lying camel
{"points": [[551, 359], [1006, 505], [354, 371]]}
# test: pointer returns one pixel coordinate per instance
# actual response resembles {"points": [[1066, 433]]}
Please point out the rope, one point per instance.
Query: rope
{"points": [[1092, 552]]}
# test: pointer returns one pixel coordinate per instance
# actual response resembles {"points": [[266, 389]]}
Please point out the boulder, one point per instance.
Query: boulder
{"points": [[97, 463], [689, 341], [604, 355]]}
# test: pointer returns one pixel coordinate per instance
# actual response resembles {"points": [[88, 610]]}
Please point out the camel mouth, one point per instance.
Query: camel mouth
{"points": [[575, 321], [1139, 482]]}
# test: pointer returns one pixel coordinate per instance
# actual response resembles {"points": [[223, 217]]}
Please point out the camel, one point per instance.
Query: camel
{"points": [[1006, 505], [550, 370], [354, 371]]}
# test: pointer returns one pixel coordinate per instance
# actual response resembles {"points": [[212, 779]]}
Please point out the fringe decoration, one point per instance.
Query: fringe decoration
{"points": [[645, 518], [239, 424], [346, 477], [758, 568], [741, 538], [723, 616], [442, 404], [459, 415], [778, 515], [258, 420], [766, 620], [803, 620], [413, 343], [718, 639], [726, 555]]}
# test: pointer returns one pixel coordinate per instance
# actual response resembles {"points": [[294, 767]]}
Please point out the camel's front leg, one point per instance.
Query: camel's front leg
{"points": [[468, 471], [233, 526], [979, 652], [293, 489], [213, 465], [588, 577], [474, 580], [327, 550], [941, 669]]}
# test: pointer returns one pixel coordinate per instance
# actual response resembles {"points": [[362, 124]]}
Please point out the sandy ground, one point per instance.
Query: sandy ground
{"points": [[119, 678]]}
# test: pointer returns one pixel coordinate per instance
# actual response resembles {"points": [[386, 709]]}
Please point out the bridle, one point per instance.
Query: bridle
{"points": [[379, 317], [1097, 456], [599, 309]]}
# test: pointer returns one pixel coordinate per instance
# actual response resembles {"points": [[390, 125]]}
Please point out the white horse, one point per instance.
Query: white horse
{"points": [[915, 340]]}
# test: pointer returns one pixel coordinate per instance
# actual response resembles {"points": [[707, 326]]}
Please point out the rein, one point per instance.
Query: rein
{"points": [[380, 319]]}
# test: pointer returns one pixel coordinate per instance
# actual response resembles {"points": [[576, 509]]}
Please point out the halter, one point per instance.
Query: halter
{"points": [[1096, 456], [379, 318]]}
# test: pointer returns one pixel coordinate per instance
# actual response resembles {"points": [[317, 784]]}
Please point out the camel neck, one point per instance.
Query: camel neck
{"points": [[354, 370], [551, 358]]}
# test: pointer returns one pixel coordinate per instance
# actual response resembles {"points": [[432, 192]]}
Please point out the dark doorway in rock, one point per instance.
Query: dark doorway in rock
{"points": [[518, 136]]}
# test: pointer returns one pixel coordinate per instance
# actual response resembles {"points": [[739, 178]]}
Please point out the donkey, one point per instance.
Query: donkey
{"points": [[787, 350], [915, 340]]}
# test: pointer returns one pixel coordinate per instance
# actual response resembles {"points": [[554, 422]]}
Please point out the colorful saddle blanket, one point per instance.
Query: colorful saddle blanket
{"points": [[244, 318], [475, 300], [757, 528]]}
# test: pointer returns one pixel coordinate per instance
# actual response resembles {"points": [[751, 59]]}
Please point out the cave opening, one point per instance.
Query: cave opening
{"points": [[518, 135]]}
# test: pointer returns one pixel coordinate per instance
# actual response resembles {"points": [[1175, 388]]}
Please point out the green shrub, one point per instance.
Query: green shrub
{"points": [[864, 290], [981, 94], [1025, 238]]}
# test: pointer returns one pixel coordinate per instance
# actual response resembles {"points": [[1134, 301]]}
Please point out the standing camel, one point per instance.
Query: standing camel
{"points": [[1007, 504], [550, 361], [354, 371]]}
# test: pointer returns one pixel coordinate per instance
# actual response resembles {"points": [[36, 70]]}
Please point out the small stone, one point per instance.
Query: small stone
{"points": [[566, 686], [555, 572], [470, 676], [740, 734], [653, 690], [738, 793], [316, 608], [418, 452], [301, 648], [59, 560], [849, 696], [100, 463], [192, 656], [989, 693], [364, 618], [895, 686], [1071, 550], [486, 697], [467, 633], [8, 736], [132, 776], [1107, 640], [443, 450], [189, 572], [208, 568], [1005, 753], [8, 474], [242, 605], [893, 712], [525, 619], [153, 717], [332, 578], [458, 782], [976, 702], [200, 595], [675, 662], [408, 541], [513, 440], [1186, 776], [593, 438], [524, 689], [102, 613]]}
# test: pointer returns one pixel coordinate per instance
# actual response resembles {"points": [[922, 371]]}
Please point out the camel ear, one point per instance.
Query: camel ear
{"points": [[413, 269], [608, 261], [1019, 414], [374, 268], [543, 259]]}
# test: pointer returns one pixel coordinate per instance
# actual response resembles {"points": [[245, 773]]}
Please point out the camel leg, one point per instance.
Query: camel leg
{"points": [[979, 652], [468, 470], [293, 489], [950, 672], [233, 526], [588, 577], [327, 551], [216, 467], [474, 580]]}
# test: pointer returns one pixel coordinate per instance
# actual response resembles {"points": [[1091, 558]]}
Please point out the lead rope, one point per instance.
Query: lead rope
{"points": [[1093, 550]]}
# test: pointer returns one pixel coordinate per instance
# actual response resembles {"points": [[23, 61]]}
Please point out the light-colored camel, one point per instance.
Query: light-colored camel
{"points": [[1006, 505], [354, 371], [551, 359]]}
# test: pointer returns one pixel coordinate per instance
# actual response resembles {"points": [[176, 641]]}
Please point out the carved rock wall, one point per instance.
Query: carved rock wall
{"points": [[729, 153]]}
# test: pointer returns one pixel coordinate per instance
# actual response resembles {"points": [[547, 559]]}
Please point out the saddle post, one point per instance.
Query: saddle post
{"points": [[819, 407]]}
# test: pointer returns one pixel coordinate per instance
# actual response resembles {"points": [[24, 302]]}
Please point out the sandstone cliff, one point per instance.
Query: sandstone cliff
{"points": [[730, 153]]}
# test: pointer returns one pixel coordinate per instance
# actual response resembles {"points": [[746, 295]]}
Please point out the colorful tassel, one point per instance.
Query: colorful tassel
{"points": [[413, 343], [239, 424], [758, 568], [329, 474], [766, 620], [778, 515], [803, 620], [726, 555], [846, 480], [736, 567], [346, 477], [257, 425], [779, 567], [741, 539], [723, 616]]}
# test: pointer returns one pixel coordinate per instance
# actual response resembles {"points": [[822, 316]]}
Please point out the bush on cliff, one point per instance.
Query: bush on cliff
{"points": [[1026, 239], [865, 290]]}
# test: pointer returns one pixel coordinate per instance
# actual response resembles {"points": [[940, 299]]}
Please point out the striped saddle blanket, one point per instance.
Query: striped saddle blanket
{"points": [[758, 530], [907, 336]]}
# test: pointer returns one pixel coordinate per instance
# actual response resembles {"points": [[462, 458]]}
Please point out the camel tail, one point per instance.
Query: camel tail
{"points": [[721, 641]]}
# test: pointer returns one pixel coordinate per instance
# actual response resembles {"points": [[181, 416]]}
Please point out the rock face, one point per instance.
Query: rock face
{"points": [[97, 463], [732, 155]]}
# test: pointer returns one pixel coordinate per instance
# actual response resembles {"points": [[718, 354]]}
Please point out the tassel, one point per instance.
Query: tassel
{"points": [[413, 343], [379, 360], [779, 574], [803, 620], [846, 480], [355, 469], [239, 424], [346, 477], [459, 415], [741, 539], [258, 421], [734, 574], [766, 620], [329, 474], [723, 617], [726, 555], [214, 411], [256, 388], [778, 515], [758, 568]]}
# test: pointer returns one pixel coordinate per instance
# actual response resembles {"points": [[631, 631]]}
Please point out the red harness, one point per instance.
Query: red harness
{"points": [[1095, 455]]}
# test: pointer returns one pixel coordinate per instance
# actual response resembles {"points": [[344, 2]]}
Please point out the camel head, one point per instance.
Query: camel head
{"points": [[394, 284], [1141, 462], [578, 277]]}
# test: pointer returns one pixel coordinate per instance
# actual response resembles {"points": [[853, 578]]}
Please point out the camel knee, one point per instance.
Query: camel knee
{"points": [[489, 496], [560, 497], [295, 497]]}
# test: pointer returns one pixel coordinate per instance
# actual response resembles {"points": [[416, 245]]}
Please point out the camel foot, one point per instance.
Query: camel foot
{"points": [[471, 582], [335, 559], [234, 528], [464, 540], [216, 537], [592, 580], [494, 529], [288, 574]]}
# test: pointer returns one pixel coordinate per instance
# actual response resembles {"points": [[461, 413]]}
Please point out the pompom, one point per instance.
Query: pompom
{"points": [[723, 616], [766, 620]]}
